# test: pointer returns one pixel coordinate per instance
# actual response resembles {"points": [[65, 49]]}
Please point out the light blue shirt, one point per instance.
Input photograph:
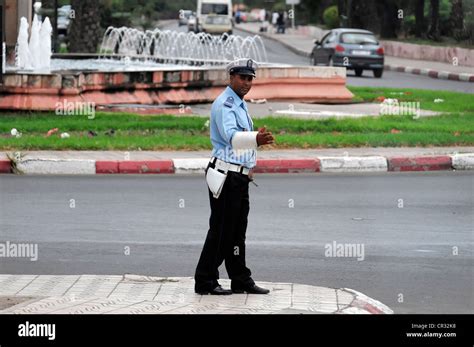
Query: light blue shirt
{"points": [[229, 114]]}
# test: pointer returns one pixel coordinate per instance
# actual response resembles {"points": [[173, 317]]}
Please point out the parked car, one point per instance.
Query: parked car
{"points": [[64, 19], [192, 23], [65, 10], [354, 49], [63, 25], [184, 16], [216, 25]]}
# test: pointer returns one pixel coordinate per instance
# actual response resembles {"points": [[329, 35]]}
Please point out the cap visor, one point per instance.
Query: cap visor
{"points": [[247, 73]]}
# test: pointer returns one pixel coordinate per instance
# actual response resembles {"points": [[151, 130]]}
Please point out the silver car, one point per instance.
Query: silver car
{"points": [[354, 49], [184, 17]]}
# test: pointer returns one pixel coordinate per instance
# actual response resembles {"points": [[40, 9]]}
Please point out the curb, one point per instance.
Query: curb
{"points": [[445, 75], [57, 166], [138, 294], [5, 166], [184, 166], [287, 165], [354, 164], [463, 161], [420, 163]]}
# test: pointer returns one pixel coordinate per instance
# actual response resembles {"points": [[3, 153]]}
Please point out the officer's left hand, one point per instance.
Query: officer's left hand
{"points": [[264, 137]]}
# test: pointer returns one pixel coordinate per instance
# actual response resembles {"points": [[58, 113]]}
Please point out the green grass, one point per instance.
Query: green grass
{"points": [[134, 132], [453, 101], [121, 141], [42, 122]]}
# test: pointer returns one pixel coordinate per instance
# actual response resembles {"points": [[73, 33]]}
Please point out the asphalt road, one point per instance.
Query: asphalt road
{"points": [[277, 53], [409, 262]]}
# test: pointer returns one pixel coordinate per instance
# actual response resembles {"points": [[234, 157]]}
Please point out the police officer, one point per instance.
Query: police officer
{"points": [[234, 152]]}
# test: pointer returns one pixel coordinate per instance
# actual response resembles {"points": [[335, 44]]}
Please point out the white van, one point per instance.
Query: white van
{"points": [[220, 12]]}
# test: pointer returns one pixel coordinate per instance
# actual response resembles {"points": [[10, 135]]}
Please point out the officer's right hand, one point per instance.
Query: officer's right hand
{"points": [[264, 137]]}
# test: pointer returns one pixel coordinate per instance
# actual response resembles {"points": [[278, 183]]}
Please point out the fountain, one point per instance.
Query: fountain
{"points": [[180, 47], [44, 51], [34, 45], [23, 58], [129, 49], [154, 67], [35, 55]]}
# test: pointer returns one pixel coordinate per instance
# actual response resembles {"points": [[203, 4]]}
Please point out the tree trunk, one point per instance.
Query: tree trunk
{"points": [[419, 17], [456, 19], [341, 9], [85, 30], [389, 20], [433, 33], [356, 10]]}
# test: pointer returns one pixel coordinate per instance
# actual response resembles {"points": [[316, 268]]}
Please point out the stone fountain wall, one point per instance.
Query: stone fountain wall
{"points": [[43, 92]]}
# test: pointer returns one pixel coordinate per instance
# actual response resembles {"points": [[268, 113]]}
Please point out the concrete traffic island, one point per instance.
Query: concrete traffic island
{"points": [[186, 85], [135, 294]]}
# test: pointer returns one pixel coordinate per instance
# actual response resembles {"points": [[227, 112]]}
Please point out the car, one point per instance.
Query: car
{"points": [[64, 19], [354, 49], [216, 25], [192, 23], [66, 9], [184, 16], [63, 25]]}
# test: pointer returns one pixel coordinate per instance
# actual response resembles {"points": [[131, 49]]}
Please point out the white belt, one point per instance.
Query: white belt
{"points": [[222, 165]]}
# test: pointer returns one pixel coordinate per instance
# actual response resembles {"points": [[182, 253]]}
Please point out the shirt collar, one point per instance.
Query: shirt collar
{"points": [[237, 98]]}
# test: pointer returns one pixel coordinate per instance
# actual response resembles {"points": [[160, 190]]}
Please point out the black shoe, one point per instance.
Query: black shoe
{"points": [[254, 289], [216, 291]]}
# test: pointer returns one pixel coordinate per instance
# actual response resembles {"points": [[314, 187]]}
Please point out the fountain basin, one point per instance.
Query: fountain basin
{"points": [[168, 85]]}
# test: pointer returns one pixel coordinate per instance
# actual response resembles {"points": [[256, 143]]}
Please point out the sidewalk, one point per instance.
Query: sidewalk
{"points": [[260, 108], [135, 294], [302, 44], [339, 160]]}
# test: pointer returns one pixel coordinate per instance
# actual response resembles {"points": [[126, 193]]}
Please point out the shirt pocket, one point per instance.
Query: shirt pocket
{"points": [[242, 124]]}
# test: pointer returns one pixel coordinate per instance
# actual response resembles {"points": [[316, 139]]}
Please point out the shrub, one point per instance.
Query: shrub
{"points": [[331, 17]]}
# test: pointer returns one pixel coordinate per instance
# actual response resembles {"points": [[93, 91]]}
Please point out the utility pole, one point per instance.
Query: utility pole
{"points": [[293, 16], [3, 52], [55, 28], [293, 3]]}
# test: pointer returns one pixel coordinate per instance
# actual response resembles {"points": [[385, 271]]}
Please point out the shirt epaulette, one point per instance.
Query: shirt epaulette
{"points": [[229, 102]]}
